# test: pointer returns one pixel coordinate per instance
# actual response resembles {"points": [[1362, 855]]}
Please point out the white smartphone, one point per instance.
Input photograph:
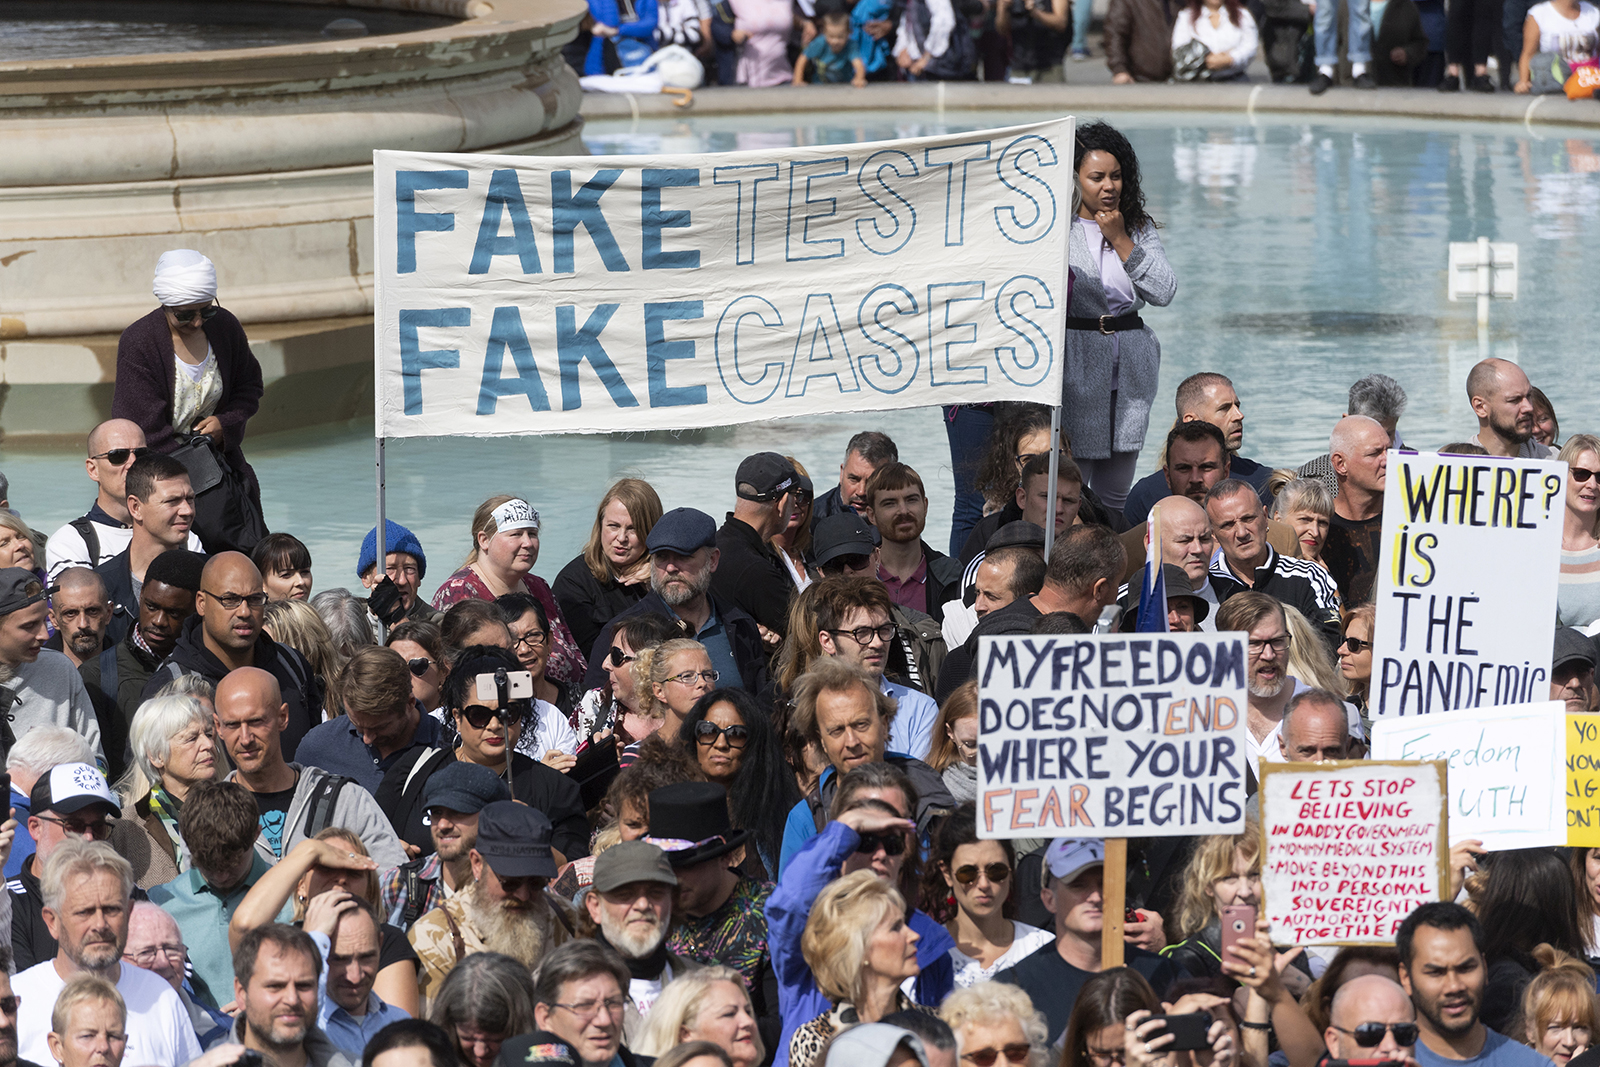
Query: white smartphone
{"points": [[519, 686]]}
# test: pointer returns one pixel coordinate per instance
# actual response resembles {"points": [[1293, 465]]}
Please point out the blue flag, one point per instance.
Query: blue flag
{"points": [[1152, 599]]}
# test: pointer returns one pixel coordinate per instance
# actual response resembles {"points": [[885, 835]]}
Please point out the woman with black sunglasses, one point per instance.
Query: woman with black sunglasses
{"points": [[186, 368], [1355, 654], [979, 875], [1578, 595], [735, 746]]}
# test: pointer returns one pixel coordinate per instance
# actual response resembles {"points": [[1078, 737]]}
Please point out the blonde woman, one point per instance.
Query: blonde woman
{"points": [[1578, 596], [1305, 505], [174, 743], [709, 1004], [994, 1021], [88, 1023], [1558, 1006], [1355, 653], [860, 949], [1225, 870], [612, 573], [669, 678], [505, 547], [296, 623], [1309, 658]]}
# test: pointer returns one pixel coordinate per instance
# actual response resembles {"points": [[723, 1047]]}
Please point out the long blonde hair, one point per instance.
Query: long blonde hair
{"points": [[644, 509], [1309, 659], [679, 1006], [1212, 862]]}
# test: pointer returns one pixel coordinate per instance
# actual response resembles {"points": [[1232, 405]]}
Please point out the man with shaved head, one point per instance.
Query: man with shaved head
{"points": [[1204, 397], [296, 802], [1499, 393], [1371, 1018], [1358, 451], [1315, 727], [105, 530], [225, 634], [81, 612]]}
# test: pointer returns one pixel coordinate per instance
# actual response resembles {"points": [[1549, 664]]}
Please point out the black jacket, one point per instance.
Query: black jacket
{"points": [[751, 577], [1300, 583], [120, 673], [294, 675], [117, 573], [588, 604], [1016, 617], [944, 581], [743, 638], [541, 788]]}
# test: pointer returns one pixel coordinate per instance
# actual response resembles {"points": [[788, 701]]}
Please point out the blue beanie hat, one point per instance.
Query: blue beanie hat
{"points": [[396, 539]]}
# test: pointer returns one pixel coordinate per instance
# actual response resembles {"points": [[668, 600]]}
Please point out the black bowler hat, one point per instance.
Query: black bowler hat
{"points": [[689, 822]]}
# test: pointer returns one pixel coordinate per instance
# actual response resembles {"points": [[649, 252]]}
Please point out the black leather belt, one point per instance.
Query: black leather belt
{"points": [[1107, 324]]}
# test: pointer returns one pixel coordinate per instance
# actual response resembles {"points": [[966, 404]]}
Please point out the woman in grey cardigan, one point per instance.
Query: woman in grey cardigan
{"points": [[1113, 359]]}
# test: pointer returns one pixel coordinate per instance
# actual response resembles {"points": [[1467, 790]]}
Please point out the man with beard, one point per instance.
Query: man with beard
{"points": [[683, 558], [166, 600], [9, 1006], [453, 798], [1206, 397], [1443, 969], [275, 975], [1499, 393], [88, 893], [81, 612], [631, 908], [749, 573], [1249, 562], [1358, 451], [505, 907], [917, 576]]}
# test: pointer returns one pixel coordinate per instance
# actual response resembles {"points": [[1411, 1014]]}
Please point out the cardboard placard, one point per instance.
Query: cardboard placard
{"points": [[1350, 848], [1505, 768], [1111, 735], [1583, 781]]}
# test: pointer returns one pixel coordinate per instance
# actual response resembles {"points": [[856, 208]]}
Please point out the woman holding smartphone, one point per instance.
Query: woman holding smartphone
{"points": [[1223, 881]]}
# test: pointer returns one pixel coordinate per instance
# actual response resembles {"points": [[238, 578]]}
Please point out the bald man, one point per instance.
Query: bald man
{"points": [[80, 612], [105, 529], [295, 801], [156, 944], [1315, 727], [1499, 393], [1358, 451], [224, 634], [1368, 1007], [1186, 542]]}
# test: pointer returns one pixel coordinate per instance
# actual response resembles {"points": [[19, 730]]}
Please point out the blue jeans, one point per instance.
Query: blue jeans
{"points": [[1082, 12], [1327, 31], [968, 431]]}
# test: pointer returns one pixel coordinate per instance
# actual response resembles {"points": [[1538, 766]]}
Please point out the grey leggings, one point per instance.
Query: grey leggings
{"points": [[1110, 478]]}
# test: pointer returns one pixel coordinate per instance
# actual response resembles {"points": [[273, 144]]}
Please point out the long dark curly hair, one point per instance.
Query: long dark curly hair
{"points": [[1103, 137]]}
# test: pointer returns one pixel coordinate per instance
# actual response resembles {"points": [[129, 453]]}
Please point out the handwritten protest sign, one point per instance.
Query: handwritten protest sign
{"points": [[1467, 586], [1111, 735], [1505, 768], [538, 294], [1583, 781], [1350, 848]]}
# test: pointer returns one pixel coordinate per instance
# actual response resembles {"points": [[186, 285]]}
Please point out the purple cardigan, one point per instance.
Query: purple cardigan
{"points": [[144, 384]]}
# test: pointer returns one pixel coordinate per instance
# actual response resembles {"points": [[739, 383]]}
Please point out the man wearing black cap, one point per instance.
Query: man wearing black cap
{"points": [[722, 916], [683, 562], [630, 907], [165, 601], [36, 684], [505, 908], [749, 574], [453, 799], [1572, 671]]}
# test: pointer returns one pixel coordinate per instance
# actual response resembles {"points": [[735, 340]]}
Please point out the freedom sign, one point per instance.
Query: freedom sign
{"points": [[539, 294], [1111, 735], [1467, 586]]}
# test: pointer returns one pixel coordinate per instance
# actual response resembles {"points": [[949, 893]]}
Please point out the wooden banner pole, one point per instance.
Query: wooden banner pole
{"points": [[1114, 900]]}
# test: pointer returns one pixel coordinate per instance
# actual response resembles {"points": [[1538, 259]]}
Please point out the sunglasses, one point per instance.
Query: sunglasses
{"points": [[1355, 644], [1370, 1035], [419, 666], [478, 715], [706, 732], [995, 872], [985, 1057], [1582, 474], [893, 844], [619, 657], [118, 456], [205, 314]]}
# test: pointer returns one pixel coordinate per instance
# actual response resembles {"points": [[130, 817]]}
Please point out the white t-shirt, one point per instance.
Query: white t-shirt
{"points": [[1267, 749], [552, 732], [66, 547], [1575, 40], [1026, 940], [159, 1030]]}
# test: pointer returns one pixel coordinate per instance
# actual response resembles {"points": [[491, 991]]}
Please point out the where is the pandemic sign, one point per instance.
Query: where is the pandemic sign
{"points": [[1112, 735]]}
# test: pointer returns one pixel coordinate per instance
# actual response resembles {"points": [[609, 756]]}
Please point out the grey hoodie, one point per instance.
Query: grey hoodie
{"points": [[354, 810]]}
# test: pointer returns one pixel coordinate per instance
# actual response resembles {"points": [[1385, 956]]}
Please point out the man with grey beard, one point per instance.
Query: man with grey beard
{"points": [[683, 557], [505, 908], [1267, 676], [631, 908]]}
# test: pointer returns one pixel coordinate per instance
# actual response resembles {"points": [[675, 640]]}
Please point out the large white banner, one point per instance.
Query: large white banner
{"points": [[537, 294], [1466, 592]]}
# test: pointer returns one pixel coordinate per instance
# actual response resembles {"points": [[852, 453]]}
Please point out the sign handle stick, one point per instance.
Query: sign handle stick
{"points": [[1113, 901], [1055, 467], [383, 527]]}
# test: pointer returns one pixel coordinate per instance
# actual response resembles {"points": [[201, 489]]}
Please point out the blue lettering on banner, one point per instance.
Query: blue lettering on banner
{"points": [[744, 229], [821, 325], [657, 350], [955, 188], [874, 238], [408, 221], [569, 211], [725, 350], [506, 334], [875, 365], [505, 197], [1036, 368], [573, 346], [654, 220], [414, 359], [947, 371], [1015, 158], [829, 247]]}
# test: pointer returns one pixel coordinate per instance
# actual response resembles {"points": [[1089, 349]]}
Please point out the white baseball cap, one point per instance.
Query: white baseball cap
{"points": [[71, 787], [1066, 857]]}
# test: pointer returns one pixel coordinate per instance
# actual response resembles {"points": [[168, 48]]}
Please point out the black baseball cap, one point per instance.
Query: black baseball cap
{"points": [[1570, 647], [842, 534], [21, 588], [764, 477], [514, 840], [1020, 533]]}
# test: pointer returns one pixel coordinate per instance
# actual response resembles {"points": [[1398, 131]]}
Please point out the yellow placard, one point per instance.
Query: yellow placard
{"points": [[1583, 781]]}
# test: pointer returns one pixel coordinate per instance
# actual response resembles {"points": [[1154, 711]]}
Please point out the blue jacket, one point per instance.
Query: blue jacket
{"points": [[807, 875], [610, 12]]}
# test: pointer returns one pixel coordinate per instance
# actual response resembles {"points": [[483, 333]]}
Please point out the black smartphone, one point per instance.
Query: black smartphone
{"points": [[5, 788], [249, 1058], [1188, 1030]]}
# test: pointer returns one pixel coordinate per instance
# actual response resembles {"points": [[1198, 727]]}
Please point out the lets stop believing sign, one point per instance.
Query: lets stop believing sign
{"points": [[1111, 735]]}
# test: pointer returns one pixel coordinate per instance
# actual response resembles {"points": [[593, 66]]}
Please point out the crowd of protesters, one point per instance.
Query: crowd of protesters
{"points": [[708, 795]]}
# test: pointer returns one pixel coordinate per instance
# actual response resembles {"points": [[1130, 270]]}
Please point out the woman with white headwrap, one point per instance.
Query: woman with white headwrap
{"points": [[186, 368]]}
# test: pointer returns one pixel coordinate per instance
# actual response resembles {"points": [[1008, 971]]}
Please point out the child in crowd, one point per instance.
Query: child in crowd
{"points": [[832, 52]]}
